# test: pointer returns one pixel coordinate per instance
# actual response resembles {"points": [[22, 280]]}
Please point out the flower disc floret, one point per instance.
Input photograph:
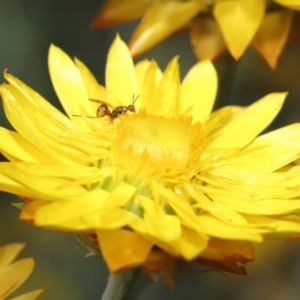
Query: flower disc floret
{"points": [[157, 144]]}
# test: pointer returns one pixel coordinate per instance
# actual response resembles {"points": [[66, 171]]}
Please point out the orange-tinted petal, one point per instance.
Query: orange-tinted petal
{"points": [[227, 266], [218, 249], [206, 37], [160, 20], [28, 213], [272, 35], [294, 34], [170, 272], [156, 260], [123, 248], [117, 11], [292, 4]]}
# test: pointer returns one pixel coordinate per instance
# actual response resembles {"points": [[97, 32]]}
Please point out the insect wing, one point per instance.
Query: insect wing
{"points": [[101, 102]]}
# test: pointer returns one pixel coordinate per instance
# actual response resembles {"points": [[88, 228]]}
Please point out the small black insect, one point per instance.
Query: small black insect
{"points": [[103, 109]]}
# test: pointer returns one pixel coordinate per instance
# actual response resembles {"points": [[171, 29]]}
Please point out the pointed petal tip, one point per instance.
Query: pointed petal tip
{"points": [[118, 40], [133, 51], [283, 94], [52, 46], [271, 62], [53, 49], [138, 46], [6, 74]]}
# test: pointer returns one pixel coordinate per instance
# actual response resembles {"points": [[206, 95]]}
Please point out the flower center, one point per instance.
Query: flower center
{"points": [[156, 144]]}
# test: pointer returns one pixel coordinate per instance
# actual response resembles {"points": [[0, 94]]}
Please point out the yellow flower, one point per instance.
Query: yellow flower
{"points": [[169, 181], [214, 24], [12, 275]]}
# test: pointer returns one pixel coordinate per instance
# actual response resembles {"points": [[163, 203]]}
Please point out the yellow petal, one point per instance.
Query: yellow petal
{"points": [[272, 35], [255, 203], [115, 219], [9, 252], [271, 151], [286, 224], [28, 212], [96, 202], [253, 120], [12, 276], [160, 225], [46, 127], [184, 211], [198, 91], [33, 186], [169, 90], [265, 207], [117, 11], [189, 245], [206, 37], [29, 296], [218, 210], [150, 88], [57, 120], [20, 148], [239, 21], [121, 194], [120, 78], [219, 229], [122, 248], [94, 89], [221, 117], [68, 85], [160, 20], [14, 105], [112, 214], [72, 224], [73, 173], [140, 70], [61, 211]]}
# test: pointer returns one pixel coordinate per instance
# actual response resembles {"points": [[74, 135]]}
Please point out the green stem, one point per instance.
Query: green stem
{"points": [[84, 240], [119, 284]]}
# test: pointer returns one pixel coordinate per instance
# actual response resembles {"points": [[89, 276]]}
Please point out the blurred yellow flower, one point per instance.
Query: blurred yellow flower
{"points": [[171, 180], [12, 275], [214, 24]]}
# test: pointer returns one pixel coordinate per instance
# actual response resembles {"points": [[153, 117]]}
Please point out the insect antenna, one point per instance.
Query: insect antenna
{"points": [[134, 99]]}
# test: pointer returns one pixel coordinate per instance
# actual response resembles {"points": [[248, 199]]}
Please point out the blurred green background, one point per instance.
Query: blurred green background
{"points": [[26, 30]]}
